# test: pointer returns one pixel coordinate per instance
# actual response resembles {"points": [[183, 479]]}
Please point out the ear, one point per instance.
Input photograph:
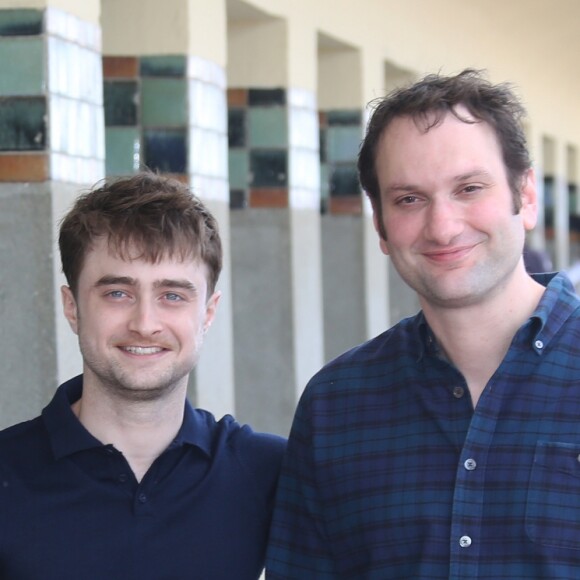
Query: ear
{"points": [[379, 228], [210, 310], [69, 307], [529, 198]]}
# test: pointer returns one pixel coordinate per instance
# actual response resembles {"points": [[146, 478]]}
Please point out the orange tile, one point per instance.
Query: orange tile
{"points": [[347, 205], [237, 97], [24, 167], [268, 197], [126, 67]]}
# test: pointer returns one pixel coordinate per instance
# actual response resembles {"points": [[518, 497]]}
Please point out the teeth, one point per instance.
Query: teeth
{"points": [[142, 349]]}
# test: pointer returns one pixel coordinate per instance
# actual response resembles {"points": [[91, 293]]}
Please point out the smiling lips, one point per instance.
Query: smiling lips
{"points": [[142, 350], [449, 255]]}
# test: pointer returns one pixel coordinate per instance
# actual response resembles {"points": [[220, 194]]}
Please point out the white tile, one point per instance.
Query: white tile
{"points": [[303, 128], [301, 98], [304, 169], [304, 199]]}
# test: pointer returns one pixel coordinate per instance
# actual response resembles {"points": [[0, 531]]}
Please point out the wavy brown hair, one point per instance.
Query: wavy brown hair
{"points": [[157, 215]]}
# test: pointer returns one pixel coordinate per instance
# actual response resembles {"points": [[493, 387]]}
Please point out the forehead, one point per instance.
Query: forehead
{"points": [[420, 144], [103, 258]]}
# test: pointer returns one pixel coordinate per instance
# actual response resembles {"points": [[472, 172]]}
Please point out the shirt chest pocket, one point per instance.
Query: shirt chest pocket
{"points": [[553, 503]]}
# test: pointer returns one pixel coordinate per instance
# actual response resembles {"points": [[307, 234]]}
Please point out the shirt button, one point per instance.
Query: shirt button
{"points": [[142, 498], [465, 541], [470, 464], [539, 344], [458, 392]]}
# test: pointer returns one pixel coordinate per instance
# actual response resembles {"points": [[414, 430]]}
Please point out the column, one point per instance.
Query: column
{"points": [[275, 220], [51, 146], [341, 112]]}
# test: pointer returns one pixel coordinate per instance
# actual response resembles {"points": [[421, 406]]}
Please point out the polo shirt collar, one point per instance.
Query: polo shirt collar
{"points": [[68, 436]]}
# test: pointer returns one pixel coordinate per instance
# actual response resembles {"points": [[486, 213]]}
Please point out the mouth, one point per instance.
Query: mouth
{"points": [[142, 350], [449, 255]]}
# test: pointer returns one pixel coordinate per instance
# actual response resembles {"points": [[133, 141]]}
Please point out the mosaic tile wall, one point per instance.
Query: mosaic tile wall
{"points": [[167, 113], [145, 114], [258, 147], [51, 116], [340, 138]]}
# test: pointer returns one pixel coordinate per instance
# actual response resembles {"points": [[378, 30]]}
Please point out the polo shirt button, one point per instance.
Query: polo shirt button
{"points": [[458, 392], [465, 541], [142, 498], [470, 464]]}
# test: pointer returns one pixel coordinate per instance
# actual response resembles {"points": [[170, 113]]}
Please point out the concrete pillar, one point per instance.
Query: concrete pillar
{"points": [[275, 220], [562, 208], [51, 100], [343, 222], [537, 237], [171, 70]]}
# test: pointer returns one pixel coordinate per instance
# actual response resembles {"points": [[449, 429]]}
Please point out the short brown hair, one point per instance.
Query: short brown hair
{"points": [[429, 100], [156, 214]]}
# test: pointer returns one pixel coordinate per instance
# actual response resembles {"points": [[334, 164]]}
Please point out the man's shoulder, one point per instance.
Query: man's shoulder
{"points": [[240, 439], [243, 439], [24, 444], [390, 348]]}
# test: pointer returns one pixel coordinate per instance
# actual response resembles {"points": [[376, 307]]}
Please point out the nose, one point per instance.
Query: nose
{"points": [[145, 319], [444, 221]]}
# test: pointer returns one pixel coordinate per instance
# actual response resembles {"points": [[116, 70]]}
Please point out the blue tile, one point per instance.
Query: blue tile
{"points": [[21, 22], [259, 97], [165, 150], [269, 168], [163, 66], [23, 124], [344, 181], [344, 117], [237, 128], [120, 100]]}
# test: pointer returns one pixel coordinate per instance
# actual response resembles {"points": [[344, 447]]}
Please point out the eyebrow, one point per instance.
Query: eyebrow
{"points": [[111, 280], [409, 188]]}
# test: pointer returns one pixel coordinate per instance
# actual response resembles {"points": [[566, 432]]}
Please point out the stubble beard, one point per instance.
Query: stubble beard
{"points": [[129, 386]]}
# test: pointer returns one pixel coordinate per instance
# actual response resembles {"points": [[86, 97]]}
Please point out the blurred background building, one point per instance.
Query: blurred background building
{"points": [[260, 105]]}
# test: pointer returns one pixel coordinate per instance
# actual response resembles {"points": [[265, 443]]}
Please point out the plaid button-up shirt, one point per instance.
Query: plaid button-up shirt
{"points": [[391, 474]]}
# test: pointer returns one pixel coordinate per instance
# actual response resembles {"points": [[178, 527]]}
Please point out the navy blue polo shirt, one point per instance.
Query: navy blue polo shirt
{"points": [[71, 508]]}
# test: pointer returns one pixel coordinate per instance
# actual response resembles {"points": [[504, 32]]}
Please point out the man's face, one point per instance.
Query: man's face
{"points": [[140, 325], [447, 210]]}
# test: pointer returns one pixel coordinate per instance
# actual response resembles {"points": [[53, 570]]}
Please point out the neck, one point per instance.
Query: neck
{"points": [[140, 430], [476, 338]]}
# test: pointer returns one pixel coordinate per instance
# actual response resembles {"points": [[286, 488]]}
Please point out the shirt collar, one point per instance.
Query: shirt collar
{"points": [[558, 302], [68, 436]]}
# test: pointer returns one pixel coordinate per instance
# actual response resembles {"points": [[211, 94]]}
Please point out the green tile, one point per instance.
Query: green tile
{"points": [[121, 150], [267, 127], [22, 65], [239, 166], [342, 143], [163, 66], [21, 22], [23, 124], [163, 102]]}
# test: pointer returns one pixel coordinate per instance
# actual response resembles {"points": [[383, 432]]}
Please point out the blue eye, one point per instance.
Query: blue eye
{"points": [[172, 297], [116, 294]]}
